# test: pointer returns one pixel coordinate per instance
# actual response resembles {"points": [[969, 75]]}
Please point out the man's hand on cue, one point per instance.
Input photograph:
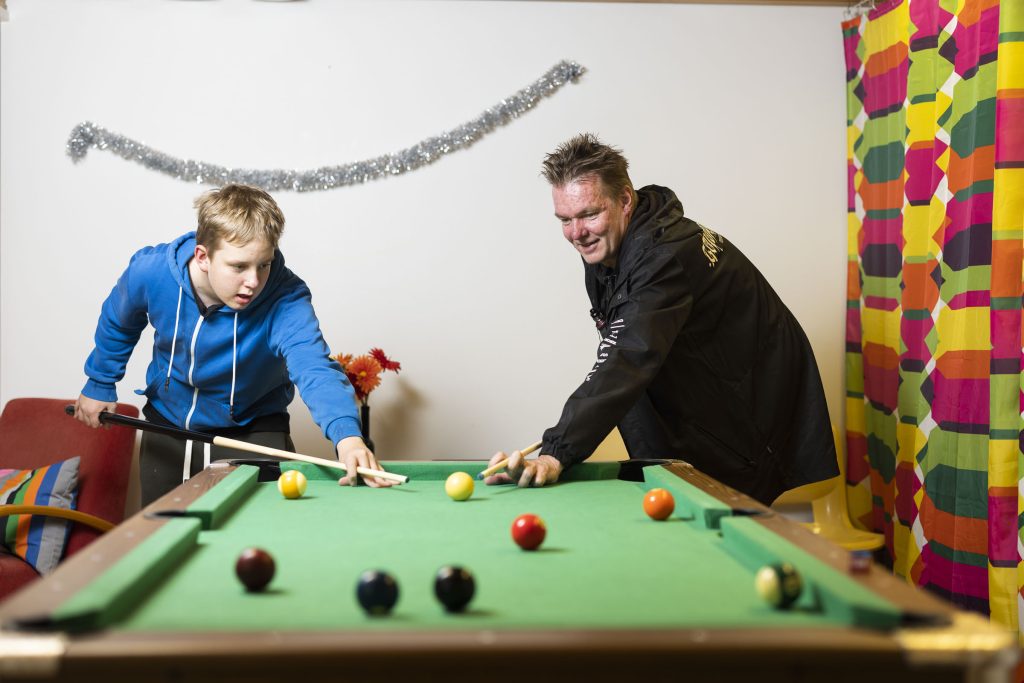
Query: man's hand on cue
{"points": [[523, 473], [353, 453]]}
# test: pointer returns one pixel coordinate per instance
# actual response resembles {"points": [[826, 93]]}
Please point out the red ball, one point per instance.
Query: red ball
{"points": [[255, 569], [659, 504], [528, 531]]}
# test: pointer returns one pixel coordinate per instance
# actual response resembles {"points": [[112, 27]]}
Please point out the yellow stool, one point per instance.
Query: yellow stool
{"points": [[611, 449], [828, 508]]}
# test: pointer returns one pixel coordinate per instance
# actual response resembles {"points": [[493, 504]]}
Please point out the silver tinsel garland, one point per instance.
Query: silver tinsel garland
{"points": [[86, 135]]}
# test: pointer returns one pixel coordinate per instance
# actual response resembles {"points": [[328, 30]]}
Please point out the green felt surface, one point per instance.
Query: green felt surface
{"points": [[604, 564], [127, 583], [216, 505]]}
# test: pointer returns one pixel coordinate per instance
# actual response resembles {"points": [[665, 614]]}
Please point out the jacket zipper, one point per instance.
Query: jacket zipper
{"points": [[724, 445]]}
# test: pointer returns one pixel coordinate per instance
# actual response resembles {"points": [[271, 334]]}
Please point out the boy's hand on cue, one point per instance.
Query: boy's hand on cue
{"points": [[88, 410], [354, 453]]}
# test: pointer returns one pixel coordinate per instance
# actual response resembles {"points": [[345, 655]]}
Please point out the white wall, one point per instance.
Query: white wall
{"points": [[458, 270]]}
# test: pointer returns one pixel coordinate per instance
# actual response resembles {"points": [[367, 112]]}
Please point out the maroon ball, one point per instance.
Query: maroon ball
{"points": [[255, 569]]}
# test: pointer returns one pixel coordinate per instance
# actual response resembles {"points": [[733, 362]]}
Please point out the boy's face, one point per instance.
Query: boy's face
{"points": [[235, 273]]}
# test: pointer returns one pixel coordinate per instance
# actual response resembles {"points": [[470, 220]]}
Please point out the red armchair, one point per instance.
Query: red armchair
{"points": [[35, 432]]}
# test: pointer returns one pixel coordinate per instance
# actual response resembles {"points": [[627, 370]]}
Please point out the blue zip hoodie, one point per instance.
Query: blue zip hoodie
{"points": [[229, 368]]}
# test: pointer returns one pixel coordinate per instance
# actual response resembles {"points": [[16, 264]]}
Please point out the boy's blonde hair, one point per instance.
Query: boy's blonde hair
{"points": [[239, 214]]}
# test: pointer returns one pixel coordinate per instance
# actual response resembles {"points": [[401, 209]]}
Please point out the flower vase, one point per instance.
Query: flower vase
{"points": [[364, 420]]}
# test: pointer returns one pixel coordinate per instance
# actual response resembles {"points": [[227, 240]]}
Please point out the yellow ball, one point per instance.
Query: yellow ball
{"points": [[459, 486], [292, 484]]}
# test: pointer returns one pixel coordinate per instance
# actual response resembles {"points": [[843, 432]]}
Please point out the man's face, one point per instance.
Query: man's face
{"points": [[593, 222], [235, 274]]}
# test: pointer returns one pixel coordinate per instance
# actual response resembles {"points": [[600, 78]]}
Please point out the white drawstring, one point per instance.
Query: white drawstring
{"points": [[186, 472], [187, 466], [234, 358], [174, 339]]}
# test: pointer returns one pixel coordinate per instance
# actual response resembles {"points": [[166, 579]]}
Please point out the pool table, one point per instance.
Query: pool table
{"points": [[610, 595]]}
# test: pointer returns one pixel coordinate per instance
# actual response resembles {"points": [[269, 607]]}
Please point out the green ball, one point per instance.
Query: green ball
{"points": [[778, 584]]}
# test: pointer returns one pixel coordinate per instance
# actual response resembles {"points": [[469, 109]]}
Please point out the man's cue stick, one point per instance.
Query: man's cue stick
{"points": [[178, 433], [502, 464]]}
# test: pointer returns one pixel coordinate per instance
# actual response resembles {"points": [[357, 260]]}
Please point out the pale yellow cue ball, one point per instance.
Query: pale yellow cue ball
{"points": [[459, 486], [292, 484]]}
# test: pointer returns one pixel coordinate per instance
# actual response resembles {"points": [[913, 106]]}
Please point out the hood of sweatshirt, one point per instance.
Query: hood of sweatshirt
{"points": [[183, 249], [178, 255]]}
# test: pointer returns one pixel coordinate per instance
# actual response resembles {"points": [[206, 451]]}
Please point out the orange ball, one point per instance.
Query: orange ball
{"points": [[659, 504]]}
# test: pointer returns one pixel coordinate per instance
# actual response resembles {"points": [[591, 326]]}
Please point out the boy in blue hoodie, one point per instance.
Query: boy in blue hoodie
{"points": [[235, 332]]}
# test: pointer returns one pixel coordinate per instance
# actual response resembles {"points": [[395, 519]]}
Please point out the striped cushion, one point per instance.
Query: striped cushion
{"points": [[37, 539]]}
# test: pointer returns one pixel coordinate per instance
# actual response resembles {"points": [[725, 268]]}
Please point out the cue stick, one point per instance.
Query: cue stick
{"points": [[178, 433], [501, 464]]}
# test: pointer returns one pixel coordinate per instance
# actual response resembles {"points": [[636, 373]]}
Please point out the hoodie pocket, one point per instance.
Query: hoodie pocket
{"points": [[152, 390]]}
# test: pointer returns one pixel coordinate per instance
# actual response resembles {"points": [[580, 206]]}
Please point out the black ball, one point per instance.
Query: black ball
{"points": [[255, 568], [454, 587], [778, 584], [377, 592]]}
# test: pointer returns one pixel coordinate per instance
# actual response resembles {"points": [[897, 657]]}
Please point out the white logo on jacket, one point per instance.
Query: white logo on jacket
{"points": [[607, 341]]}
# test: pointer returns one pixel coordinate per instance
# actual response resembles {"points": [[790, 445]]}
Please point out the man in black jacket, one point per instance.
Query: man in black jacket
{"points": [[699, 359]]}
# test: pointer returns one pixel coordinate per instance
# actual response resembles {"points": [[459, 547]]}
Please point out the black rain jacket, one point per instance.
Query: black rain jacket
{"points": [[699, 360]]}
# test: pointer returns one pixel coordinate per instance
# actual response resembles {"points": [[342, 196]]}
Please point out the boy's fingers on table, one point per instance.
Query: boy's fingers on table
{"points": [[360, 460], [352, 464], [378, 482], [373, 464], [351, 477]]}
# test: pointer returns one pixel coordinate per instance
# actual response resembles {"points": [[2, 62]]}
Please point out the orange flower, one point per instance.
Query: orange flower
{"points": [[364, 373], [385, 362]]}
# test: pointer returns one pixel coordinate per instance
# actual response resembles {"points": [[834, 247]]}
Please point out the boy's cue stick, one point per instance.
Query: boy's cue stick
{"points": [[502, 464], [178, 433]]}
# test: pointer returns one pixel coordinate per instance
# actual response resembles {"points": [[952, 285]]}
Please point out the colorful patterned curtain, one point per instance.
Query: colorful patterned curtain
{"points": [[935, 93]]}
